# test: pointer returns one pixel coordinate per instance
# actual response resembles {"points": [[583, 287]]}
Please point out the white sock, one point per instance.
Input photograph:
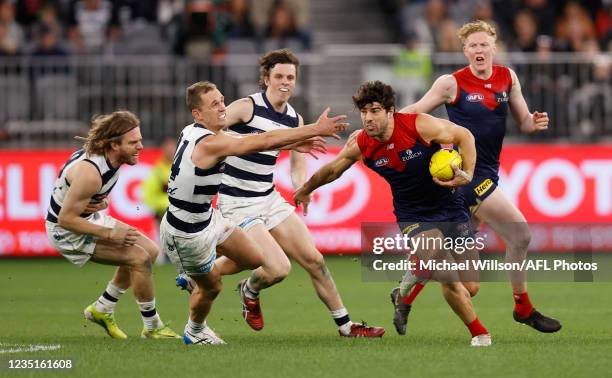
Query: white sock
{"points": [[194, 327], [149, 314], [341, 317], [107, 301], [249, 292]]}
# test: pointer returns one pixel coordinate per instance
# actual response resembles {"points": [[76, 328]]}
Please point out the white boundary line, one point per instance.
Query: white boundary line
{"points": [[27, 348]]}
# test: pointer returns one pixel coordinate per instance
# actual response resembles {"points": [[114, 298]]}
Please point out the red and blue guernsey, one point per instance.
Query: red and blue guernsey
{"points": [[481, 106], [403, 161]]}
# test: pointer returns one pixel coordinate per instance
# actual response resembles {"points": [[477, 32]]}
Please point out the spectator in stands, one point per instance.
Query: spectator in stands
{"points": [[171, 18], [447, 40], [27, 10], [426, 28], [544, 13], [603, 25], [575, 29], [241, 25], [589, 105], [48, 20], [48, 46], [138, 30], [126, 11], [48, 43], [11, 35], [525, 30], [412, 70], [282, 27], [6, 48], [90, 25]]}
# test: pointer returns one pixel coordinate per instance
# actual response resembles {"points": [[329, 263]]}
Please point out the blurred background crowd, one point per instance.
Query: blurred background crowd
{"points": [[61, 61], [196, 27]]}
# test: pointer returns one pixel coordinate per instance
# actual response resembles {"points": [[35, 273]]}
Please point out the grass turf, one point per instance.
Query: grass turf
{"points": [[42, 303]]}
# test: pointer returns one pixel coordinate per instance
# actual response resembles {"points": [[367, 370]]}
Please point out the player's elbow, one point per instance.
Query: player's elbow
{"points": [[464, 138], [64, 220]]}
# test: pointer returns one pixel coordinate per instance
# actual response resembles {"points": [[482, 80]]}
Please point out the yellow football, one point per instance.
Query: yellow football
{"points": [[440, 163]]}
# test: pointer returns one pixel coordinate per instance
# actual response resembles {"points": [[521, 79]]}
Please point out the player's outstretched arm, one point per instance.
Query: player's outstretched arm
{"points": [[528, 122], [441, 131], [329, 172], [442, 91], [308, 146], [222, 145], [77, 200]]}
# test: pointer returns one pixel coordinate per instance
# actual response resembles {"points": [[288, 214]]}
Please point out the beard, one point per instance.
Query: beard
{"points": [[128, 158]]}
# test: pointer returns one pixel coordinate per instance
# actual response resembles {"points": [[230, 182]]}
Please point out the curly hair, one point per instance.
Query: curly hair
{"points": [[374, 91], [109, 128], [475, 27], [272, 58]]}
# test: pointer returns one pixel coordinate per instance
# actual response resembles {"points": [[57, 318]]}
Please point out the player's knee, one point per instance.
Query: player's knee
{"points": [[456, 288], [279, 271], [255, 261], [315, 263], [209, 290], [139, 258], [520, 238], [153, 251], [214, 290], [472, 288]]}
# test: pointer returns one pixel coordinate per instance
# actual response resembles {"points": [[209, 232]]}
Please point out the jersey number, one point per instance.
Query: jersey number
{"points": [[177, 160]]}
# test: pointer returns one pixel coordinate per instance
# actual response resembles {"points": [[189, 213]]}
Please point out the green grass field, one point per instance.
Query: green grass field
{"points": [[42, 302]]}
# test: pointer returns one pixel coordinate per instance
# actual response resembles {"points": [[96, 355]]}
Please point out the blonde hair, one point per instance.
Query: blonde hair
{"points": [[193, 92], [109, 128], [475, 27]]}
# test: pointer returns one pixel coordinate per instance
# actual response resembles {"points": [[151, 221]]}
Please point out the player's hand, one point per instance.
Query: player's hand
{"points": [[540, 121], [326, 126], [300, 197], [126, 236], [96, 205], [459, 179], [310, 146]]}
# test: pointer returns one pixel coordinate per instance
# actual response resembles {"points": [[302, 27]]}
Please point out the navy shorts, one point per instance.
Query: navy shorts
{"points": [[478, 190], [457, 223]]}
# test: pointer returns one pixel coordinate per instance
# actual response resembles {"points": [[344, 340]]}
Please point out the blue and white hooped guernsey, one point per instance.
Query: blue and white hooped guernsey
{"points": [[191, 189], [108, 174], [250, 176]]}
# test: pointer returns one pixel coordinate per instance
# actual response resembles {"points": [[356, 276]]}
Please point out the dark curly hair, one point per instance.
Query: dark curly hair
{"points": [[272, 58], [109, 128], [374, 91]]}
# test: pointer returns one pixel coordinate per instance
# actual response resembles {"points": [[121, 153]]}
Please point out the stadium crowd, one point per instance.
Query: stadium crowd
{"points": [[523, 25], [61, 27]]}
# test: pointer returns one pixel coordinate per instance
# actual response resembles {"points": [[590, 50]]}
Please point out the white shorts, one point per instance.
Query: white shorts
{"points": [[195, 255], [270, 210], [77, 248]]}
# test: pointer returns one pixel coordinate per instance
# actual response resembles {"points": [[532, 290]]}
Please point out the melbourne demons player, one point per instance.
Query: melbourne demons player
{"points": [[398, 147], [478, 98]]}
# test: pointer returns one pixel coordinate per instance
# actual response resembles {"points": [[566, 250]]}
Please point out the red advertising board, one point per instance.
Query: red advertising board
{"points": [[549, 183]]}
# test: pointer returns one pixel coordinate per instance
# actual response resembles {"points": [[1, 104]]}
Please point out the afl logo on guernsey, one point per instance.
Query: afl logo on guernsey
{"points": [[381, 162], [474, 97]]}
